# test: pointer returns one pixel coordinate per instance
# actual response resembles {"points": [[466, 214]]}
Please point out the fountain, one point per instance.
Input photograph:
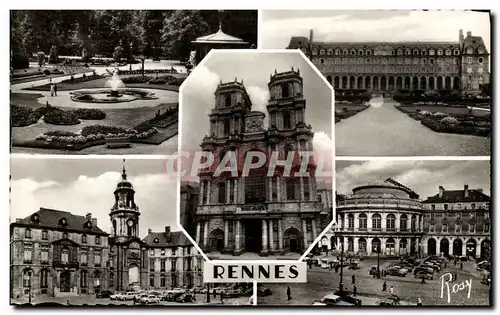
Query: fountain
{"points": [[115, 93]]}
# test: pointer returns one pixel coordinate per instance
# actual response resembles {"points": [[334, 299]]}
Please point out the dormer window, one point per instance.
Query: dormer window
{"points": [[448, 52], [156, 241], [27, 233], [98, 240], [337, 52], [480, 51], [469, 50], [65, 235], [35, 218], [84, 238], [415, 52], [88, 225], [360, 52], [353, 52], [408, 52], [440, 52], [345, 52], [63, 222]]}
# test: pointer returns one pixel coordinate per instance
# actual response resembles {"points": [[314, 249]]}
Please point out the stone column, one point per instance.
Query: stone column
{"points": [[304, 233], [311, 183], [270, 186], [356, 244], [209, 191], [226, 234], [202, 184], [280, 235], [237, 236], [478, 247], [228, 191], [369, 224], [356, 221], [198, 231], [278, 188], [264, 236], [396, 245], [314, 231], [271, 235], [368, 246], [205, 235], [301, 181], [464, 248], [242, 190], [235, 195], [397, 224], [382, 245], [438, 246], [383, 224]]}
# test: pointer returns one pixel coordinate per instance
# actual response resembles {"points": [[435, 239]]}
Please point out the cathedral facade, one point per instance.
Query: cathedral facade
{"points": [[264, 212], [392, 66]]}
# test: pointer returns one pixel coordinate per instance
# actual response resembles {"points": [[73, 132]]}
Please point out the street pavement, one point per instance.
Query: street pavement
{"points": [[321, 282]]}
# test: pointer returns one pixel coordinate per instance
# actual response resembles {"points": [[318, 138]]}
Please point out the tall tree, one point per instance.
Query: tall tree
{"points": [[179, 29]]}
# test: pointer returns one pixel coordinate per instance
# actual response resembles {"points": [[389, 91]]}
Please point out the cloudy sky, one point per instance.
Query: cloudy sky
{"points": [[86, 185], [198, 98], [424, 177], [356, 26]]}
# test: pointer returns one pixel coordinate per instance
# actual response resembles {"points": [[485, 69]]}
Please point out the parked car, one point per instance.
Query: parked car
{"points": [[373, 270], [150, 299], [432, 265], [104, 294], [116, 296], [185, 298], [385, 302], [423, 268], [397, 271], [329, 299], [424, 274], [127, 296], [264, 292], [172, 296], [347, 297]]}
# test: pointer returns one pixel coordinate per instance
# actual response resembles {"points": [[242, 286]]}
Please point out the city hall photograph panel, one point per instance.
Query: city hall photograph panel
{"points": [[98, 232], [407, 83], [243, 111], [407, 233], [107, 81]]}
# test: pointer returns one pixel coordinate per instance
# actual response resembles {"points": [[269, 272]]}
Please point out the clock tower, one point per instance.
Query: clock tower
{"points": [[124, 213]]}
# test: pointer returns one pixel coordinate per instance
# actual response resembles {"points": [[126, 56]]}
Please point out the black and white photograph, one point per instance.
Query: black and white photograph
{"points": [[107, 81], [99, 232], [240, 111], [406, 233], [407, 83]]}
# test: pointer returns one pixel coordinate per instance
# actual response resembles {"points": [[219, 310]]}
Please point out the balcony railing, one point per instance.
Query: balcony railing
{"points": [[65, 264], [378, 230]]}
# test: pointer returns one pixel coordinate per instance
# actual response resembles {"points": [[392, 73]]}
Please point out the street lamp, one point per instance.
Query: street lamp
{"points": [[208, 292], [130, 55], [341, 284], [378, 261]]}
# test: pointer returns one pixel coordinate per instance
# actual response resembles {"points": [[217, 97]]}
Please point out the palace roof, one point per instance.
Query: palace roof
{"points": [[473, 195], [52, 219], [172, 239]]}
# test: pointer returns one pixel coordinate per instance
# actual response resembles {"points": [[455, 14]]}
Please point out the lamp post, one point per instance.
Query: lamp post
{"points": [[378, 261], [341, 283], [208, 292], [130, 55]]}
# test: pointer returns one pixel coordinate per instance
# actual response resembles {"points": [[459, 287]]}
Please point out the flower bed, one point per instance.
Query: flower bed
{"points": [[21, 116], [90, 113], [136, 79], [83, 78], [56, 116], [347, 113], [460, 127]]}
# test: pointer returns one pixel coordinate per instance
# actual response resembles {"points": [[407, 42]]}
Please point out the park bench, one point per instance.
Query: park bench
{"points": [[117, 142]]}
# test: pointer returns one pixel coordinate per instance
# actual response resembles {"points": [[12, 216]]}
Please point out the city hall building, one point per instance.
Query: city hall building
{"points": [[259, 213], [392, 66], [387, 218], [57, 253]]}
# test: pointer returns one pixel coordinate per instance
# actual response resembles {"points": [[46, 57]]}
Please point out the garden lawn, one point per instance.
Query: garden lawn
{"points": [[351, 110], [452, 110], [36, 77]]}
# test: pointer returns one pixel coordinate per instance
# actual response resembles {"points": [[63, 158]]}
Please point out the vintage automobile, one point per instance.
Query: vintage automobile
{"points": [[185, 298], [424, 274], [104, 294], [373, 270], [150, 299], [397, 271]]}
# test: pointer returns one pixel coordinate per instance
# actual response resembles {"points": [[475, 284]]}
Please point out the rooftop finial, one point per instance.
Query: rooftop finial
{"points": [[124, 173], [235, 79], [292, 68], [220, 25], [275, 71]]}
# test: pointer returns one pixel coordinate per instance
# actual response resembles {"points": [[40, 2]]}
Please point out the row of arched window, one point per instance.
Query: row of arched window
{"points": [[388, 61], [45, 236], [396, 52], [377, 222], [45, 274]]}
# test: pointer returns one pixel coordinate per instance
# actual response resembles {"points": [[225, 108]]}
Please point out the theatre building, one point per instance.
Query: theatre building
{"points": [[57, 253], [458, 223], [380, 216], [461, 65], [258, 213]]}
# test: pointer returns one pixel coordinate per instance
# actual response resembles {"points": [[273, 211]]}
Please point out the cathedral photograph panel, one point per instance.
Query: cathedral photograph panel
{"points": [[98, 232], [256, 140], [405, 85]]}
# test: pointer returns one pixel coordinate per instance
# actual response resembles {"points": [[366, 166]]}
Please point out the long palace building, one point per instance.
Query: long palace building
{"points": [[256, 213], [388, 217], [392, 66], [57, 253]]}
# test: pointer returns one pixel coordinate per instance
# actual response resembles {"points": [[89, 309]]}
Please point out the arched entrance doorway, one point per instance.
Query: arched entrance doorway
{"points": [[457, 247], [383, 83], [217, 240], [65, 281], [413, 246], [97, 281], [471, 247], [399, 83], [432, 83], [390, 247], [336, 82], [486, 249], [414, 85], [431, 247], [362, 245], [444, 246], [375, 83], [133, 275], [423, 83], [293, 240], [407, 83], [360, 82], [456, 83], [376, 246], [403, 247]]}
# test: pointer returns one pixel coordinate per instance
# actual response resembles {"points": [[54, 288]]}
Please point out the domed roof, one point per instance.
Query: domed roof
{"points": [[124, 183]]}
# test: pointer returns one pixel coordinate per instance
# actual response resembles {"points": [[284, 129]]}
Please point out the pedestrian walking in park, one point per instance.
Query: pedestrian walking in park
{"points": [[215, 293], [384, 286], [423, 279], [353, 279], [288, 293], [55, 89], [221, 297], [354, 290], [461, 265], [391, 290], [51, 89], [419, 301]]}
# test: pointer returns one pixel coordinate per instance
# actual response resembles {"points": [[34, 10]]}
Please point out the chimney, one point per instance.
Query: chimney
{"points": [[149, 231], [441, 191], [466, 191], [461, 38], [94, 221], [469, 34], [88, 216], [19, 220], [167, 231]]}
